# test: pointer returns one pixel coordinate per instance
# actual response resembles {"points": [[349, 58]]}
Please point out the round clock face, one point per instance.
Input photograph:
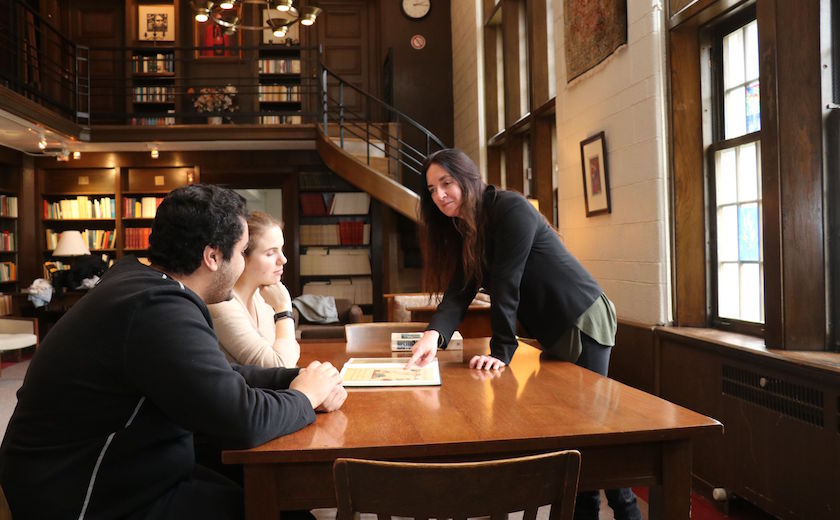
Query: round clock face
{"points": [[416, 8]]}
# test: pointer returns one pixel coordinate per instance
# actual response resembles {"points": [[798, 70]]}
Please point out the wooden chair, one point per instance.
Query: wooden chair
{"points": [[459, 490], [357, 334]]}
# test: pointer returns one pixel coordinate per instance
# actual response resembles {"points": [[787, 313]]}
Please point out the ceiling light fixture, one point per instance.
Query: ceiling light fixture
{"points": [[155, 153], [77, 155], [229, 14]]}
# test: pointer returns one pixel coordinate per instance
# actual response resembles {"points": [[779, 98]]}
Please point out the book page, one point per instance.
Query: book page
{"points": [[388, 372]]}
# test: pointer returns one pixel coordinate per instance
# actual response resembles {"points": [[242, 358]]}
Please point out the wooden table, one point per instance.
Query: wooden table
{"points": [[626, 437]]}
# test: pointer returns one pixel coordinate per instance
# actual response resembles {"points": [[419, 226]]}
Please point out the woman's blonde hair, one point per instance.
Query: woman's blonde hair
{"points": [[258, 223]]}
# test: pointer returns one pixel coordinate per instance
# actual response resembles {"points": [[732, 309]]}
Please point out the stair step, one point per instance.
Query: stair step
{"points": [[356, 146]]}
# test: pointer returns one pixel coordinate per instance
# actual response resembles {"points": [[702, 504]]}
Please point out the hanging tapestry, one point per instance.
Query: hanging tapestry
{"points": [[594, 29]]}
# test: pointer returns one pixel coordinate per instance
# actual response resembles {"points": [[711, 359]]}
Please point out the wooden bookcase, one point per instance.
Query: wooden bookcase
{"points": [[334, 236], [279, 88], [9, 231], [151, 64], [68, 201]]}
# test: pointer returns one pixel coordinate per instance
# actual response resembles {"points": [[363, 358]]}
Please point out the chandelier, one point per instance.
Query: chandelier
{"points": [[229, 14]]}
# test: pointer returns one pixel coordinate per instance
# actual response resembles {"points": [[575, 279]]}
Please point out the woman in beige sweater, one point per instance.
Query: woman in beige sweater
{"points": [[255, 327]]}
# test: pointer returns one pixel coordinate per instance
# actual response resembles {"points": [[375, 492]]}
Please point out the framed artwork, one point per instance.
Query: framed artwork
{"points": [[156, 22], [292, 35], [594, 29], [596, 180], [212, 43]]}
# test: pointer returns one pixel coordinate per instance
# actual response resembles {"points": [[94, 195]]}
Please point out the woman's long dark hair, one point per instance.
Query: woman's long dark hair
{"points": [[448, 240]]}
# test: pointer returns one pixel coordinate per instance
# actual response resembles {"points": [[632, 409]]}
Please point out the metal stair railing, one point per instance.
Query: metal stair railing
{"points": [[397, 136]]}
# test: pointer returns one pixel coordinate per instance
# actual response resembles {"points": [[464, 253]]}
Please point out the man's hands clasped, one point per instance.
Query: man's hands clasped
{"points": [[321, 384]]}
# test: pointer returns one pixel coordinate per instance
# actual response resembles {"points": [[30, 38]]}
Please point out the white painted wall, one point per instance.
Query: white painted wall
{"points": [[467, 84], [628, 249]]}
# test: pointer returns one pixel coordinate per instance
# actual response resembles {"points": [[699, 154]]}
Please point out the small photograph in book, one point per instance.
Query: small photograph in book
{"points": [[388, 372]]}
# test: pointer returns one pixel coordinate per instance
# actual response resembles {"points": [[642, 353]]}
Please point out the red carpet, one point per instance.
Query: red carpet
{"points": [[9, 362]]}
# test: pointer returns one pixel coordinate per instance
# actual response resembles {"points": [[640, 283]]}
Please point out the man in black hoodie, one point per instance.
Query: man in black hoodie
{"points": [[106, 415]]}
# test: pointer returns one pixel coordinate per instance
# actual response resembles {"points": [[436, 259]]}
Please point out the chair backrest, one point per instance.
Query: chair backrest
{"points": [[357, 334], [459, 490]]}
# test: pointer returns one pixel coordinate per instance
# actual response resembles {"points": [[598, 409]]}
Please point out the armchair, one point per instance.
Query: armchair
{"points": [[348, 312], [18, 333]]}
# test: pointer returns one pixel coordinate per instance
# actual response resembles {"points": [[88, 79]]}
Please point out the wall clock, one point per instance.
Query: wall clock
{"points": [[416, 9]]}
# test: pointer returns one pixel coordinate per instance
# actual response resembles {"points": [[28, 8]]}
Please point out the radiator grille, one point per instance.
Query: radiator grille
{"points": [[791, 399]]}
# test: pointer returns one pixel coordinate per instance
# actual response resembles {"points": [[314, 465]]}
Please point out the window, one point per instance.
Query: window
{"points": [[735, 180]]}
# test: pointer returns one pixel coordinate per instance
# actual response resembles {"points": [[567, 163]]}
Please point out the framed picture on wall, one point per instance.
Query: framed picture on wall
{"points": [[156, 22], [596, 180], [213, 43]]}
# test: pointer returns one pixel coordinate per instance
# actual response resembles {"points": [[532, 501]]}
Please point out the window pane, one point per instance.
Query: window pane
{"points": [[733, 59], [751, 50], [735, 113], [747, 173], [753, 108], [727, 191], [727, 232], [752, 303], [728, 288], [748, 242]]}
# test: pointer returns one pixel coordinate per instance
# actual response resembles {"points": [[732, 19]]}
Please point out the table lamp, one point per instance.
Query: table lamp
{"points": [[71, 243]]}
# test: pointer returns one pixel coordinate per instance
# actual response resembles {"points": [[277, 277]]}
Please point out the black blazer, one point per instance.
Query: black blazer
{"points": [[529, 274]]}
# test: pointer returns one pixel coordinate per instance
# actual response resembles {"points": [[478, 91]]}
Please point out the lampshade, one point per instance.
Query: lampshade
{"points": [[71, 243]]}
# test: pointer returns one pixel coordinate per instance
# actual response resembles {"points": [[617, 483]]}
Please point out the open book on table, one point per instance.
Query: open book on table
{"points": [[388, 372]]}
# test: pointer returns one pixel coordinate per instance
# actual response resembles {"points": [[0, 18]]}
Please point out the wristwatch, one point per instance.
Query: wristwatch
{"points": [[282, 314]]}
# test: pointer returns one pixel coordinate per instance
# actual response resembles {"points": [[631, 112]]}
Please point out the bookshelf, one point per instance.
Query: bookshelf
{"points": [[152, 95], [8, 231], [334, 237], [151, 27], [141, 192], [112, 207], [279, 85]]}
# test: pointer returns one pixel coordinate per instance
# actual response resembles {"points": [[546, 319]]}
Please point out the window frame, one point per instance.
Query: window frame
{"points": [[716, 32]]}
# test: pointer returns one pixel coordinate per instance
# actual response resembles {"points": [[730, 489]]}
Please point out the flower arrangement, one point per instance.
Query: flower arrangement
{"points": [[212, 99]]}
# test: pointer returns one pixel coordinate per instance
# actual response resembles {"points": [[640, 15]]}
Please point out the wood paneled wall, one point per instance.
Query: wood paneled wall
{"points": [[780, 411], [791, 157]]}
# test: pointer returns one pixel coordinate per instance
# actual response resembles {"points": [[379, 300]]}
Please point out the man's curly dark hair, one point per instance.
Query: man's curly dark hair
{"points": [[190, 218]]}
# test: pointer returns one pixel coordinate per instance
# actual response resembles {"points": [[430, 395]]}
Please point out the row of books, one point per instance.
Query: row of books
{"points": [[137, 238], [343, 233], [6, 307], [93, 238], [7, 240], [279, 66], [8, 206], [8, 272], [154, 121], [322, 204], [357, 289], [320, 261], [155, 94], [291, 119], [278, 93], [80, 207], [157, 63], [142, 207]]}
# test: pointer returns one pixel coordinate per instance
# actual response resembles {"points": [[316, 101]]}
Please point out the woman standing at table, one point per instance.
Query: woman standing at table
{"points": [[255, 327], [475, 235]]}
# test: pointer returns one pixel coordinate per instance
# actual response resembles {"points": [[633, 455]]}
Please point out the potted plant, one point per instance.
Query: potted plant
{"points": [[215, 100]]}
